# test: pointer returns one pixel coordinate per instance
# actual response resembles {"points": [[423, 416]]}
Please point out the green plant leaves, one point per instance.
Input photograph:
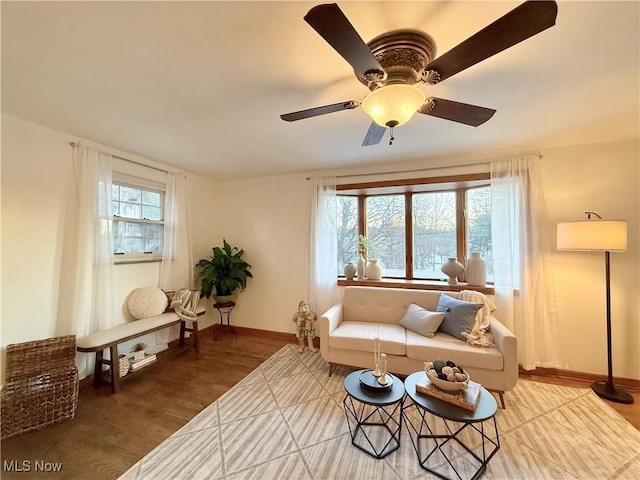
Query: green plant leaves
{"points": [[225, 271]]}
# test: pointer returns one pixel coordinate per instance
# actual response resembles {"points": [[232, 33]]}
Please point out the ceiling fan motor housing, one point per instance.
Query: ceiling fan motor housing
{"points": [[404, 55]]}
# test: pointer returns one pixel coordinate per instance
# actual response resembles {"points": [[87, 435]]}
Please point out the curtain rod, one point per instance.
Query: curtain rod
{"points": [[370, 174], [75, 144]]}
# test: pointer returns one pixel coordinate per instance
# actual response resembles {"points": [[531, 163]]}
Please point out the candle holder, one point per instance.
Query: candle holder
{"points": [[383, 377], [376, 357]]}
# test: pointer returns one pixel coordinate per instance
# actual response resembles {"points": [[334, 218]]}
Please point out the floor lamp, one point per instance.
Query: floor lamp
{"points": [[599, 235]]}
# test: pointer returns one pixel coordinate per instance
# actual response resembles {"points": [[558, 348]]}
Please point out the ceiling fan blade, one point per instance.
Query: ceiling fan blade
{"points": [[456, 111], [374, 135], [523, 22], [314, 112], [332, 25]]}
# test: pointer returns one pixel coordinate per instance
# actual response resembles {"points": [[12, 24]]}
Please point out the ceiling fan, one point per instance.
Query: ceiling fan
{"points": [[393, 63]]}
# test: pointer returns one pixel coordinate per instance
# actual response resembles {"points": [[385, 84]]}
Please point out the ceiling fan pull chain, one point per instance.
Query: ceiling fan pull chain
{"points": [[391, 137]]}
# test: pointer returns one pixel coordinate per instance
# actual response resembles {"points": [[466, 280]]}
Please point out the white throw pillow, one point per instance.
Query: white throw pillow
{"points": [[422, 321], [147, 302]]}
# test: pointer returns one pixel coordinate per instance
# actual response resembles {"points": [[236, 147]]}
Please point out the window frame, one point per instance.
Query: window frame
{"points": [[144, 186], [452, 183]]}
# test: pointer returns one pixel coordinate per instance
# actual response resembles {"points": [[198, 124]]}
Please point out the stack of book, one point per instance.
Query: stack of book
{"points": [[138, 364], [467, 398]]}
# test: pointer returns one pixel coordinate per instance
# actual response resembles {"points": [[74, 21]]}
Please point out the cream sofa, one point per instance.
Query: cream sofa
{"points": [[348, 329]]}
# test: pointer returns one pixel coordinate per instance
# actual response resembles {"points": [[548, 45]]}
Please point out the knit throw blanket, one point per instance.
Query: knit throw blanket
{"points": [[185, 302]]}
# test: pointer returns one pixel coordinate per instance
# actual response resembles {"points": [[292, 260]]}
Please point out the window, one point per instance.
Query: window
{"points": [[347, 228], [417, 224], [385, 224], [138, 222], [478, 215], [434, 232]]}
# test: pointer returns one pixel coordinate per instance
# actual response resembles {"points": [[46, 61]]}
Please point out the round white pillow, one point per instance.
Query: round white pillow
{"points": [[147, 302]]}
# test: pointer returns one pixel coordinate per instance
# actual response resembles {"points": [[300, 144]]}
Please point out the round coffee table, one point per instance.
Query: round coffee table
{"points": [[369, 406], [473, 422]]}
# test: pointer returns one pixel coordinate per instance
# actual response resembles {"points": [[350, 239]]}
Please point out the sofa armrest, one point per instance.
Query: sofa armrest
{"points": [[327, 323], [507, 343]]}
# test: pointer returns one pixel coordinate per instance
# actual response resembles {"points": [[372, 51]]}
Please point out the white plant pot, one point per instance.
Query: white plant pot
{"points": [[374, 270], [476, 270]]}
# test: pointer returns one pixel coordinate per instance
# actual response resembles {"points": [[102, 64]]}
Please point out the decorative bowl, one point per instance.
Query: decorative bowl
{"points": [[458, 377], [446, 385]]}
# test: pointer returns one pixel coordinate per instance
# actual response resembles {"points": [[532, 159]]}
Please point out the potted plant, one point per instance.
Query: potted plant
{"points": [[224, 273], [370, 254], [138, 351]]}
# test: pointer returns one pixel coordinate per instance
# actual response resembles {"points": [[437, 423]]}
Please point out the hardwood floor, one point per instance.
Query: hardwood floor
{"points": [[112, 432]]}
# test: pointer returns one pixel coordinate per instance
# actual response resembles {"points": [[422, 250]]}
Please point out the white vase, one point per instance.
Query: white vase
{"points": [[374, 270], [476, 270], [361, 267], [350, 270], [452, 268]]}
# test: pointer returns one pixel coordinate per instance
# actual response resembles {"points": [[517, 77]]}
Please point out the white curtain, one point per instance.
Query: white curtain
{"points": [[93, 304], [323, 268], [177, 266], [524, 288], [176, 270]]}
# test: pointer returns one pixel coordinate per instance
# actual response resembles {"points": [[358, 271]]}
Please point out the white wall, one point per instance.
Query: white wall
{"points": [[38, 192], [267, 217], [604, 178]]}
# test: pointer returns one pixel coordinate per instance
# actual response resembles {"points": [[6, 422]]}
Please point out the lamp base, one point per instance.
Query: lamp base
{"points": [[611, 392]]}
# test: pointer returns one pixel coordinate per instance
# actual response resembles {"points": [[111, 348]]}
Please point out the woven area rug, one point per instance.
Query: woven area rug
{"points": [[285, 420]]}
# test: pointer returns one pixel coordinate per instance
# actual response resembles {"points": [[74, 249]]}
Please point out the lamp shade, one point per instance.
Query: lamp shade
{"points": [[596, 234], [393, 105]]}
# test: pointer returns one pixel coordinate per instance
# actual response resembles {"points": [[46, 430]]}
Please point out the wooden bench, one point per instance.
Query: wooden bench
{"points": [[109, 339]]}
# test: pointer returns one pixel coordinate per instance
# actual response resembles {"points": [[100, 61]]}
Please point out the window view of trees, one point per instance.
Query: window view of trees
{"points": [[435, 228], [347, 228], [478, 211], [434, 233], [137, 226], [385, 229]]}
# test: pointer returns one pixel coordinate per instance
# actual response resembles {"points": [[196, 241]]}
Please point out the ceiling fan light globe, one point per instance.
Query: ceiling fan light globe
{"points": [[393, 103]]}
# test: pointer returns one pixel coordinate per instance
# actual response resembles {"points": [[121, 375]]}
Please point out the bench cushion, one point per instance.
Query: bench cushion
{"points": [[120, 333]]}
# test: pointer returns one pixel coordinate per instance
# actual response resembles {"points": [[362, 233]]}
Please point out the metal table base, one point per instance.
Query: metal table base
{"points": [[225, 308], [419, 409], [358, 418], [374, 415], [489, 446]]}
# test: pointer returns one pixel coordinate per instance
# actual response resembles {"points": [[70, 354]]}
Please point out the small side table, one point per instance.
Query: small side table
{"points": [[364, 406], [226, 309], [461, 420]]}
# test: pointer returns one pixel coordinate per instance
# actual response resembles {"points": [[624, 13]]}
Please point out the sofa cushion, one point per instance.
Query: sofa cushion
{"points": [[445, 346], [384, 305], [360, 336], [459, 316], [422, 321]]}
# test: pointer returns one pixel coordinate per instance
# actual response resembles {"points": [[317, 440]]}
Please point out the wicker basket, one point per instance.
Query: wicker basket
{"points": [[41, 385], [123, 365]]}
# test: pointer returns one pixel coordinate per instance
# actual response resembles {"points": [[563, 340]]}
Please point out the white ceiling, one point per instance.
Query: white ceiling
{"points": [[201, 85]]}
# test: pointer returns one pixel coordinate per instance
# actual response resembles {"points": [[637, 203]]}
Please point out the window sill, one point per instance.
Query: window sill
{"points": [[415, 285], [125, 260]]}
